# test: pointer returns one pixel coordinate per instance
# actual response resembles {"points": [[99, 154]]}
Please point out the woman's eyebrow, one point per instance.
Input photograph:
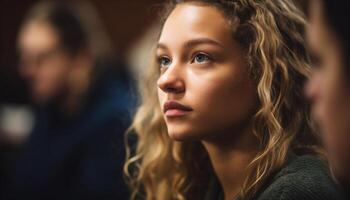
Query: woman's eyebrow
{"points": [[200, 41], [194, 42], [161, 46]]}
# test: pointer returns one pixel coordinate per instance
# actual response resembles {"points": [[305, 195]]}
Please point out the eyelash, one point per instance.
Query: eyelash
{"points": [[160, 59], [208, 58], [315, 61]]}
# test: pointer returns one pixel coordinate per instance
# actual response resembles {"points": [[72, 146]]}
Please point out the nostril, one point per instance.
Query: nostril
{"points": [[171, 82], [311, 92], [171, 89]]}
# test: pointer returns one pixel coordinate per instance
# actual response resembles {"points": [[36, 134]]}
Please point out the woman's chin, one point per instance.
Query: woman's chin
{"points": [[182, 135], [178, 136]]}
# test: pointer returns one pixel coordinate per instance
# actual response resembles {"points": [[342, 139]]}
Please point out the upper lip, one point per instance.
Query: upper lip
{"points": [[175, 105]]}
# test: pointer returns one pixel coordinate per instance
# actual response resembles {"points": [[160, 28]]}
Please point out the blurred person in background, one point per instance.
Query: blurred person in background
{"points": [[329, 87], [83, 106]]}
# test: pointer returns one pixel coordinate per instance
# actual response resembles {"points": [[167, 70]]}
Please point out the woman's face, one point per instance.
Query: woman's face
{"points": [[329, 91], [204, 87]]}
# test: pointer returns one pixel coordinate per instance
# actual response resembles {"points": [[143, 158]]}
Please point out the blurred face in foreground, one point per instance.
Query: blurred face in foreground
{"points": [[329, 91]]}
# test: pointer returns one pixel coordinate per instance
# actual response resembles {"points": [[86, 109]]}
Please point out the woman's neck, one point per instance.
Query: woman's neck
{"points": [[230, 158]]}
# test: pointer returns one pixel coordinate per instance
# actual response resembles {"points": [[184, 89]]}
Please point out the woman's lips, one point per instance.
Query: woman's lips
{"points": [[175, 109]]}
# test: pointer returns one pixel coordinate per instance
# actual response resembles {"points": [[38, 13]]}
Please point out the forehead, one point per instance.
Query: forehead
{"points": [[37, 35], [318, 29], [189, 21], [315, 12]]}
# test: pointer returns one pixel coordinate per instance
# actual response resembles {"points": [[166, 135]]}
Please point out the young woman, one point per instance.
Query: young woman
{"points": [[223, 115]]}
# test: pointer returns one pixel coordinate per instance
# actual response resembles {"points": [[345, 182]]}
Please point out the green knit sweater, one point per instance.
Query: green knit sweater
{"points": [[302, 178]]}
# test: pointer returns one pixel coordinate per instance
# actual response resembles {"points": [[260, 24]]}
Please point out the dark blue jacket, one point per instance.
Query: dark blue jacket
{"points": [[79, 157]]}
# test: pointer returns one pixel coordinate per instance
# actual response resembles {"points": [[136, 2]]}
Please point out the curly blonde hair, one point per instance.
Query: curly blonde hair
{"points": [[271, 33]]}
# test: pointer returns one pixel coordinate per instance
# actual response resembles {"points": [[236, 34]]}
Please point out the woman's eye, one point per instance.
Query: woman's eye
{"points": [[164, 61], [201, 58], [316, 61]]}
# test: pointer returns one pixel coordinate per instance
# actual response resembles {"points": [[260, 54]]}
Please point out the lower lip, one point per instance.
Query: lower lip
{"points": [[176, 113]]}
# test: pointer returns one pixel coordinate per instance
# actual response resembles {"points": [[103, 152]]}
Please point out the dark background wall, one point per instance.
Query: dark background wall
{"points": [[125, 21]]}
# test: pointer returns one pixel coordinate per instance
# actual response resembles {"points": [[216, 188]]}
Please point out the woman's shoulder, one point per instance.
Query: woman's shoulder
{"points": [[303, 177]]}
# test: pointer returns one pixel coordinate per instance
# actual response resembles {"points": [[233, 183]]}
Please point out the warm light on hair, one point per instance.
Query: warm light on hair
{"points": [[271, 32]]}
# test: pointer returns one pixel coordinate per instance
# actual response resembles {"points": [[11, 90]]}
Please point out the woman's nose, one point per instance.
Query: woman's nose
{"points": [[171, 81], [312, 87]]}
